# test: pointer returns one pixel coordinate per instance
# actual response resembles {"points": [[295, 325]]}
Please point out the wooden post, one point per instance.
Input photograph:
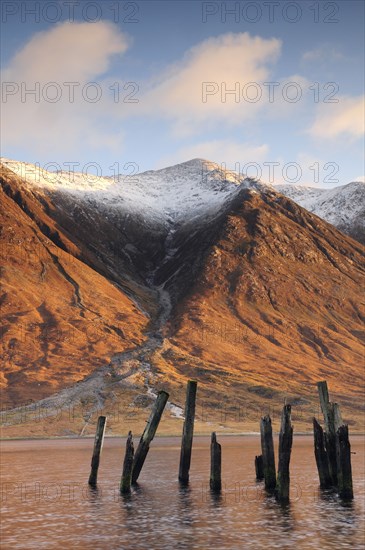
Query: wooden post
{"points": [[125, 483], [337, 417], [324, 400], [188, 431], [344, 472], [332, 419], [268, 458], [98, 445], [285, 445], [259, 468], [320, 453], [148, 434], [215, 464]]}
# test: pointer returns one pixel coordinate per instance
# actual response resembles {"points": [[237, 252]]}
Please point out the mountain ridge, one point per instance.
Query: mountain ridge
{"points": [[343, 206], [260, 298], [191, 189]]}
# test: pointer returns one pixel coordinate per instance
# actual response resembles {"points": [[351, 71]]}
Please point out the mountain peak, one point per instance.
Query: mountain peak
{"points": [[198, 161], [189, 190], [199, 166]]}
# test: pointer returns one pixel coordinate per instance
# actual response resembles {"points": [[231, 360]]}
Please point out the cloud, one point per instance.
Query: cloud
{"points": [[68, 53], [223, 61], [83, 53], [233, 154], [344, 119], [324, 52]]}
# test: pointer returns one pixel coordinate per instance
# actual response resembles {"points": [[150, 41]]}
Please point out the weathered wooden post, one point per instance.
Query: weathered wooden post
{"points": [[188, 432], [285, 445], [337, 444], [148, 434], [215, 464], [344, 471], [259, 468], [125, 483], [321, 456], [332, 421], [268, 458], [98, 445]]}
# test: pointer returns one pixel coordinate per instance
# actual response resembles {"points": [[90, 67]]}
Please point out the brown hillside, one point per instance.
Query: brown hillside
{"points": [[268, 299], [60, 319], [278, 305]]}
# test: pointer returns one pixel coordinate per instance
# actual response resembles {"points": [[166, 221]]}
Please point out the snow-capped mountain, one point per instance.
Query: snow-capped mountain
{"points": [[177, 193], [148, 223], [343, 206], [127, 287], [194, 190]]}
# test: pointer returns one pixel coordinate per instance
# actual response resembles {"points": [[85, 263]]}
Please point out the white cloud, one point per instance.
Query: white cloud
{"points": [[232, 154], [345, 118], [324, 52], [177, 94], [70, 52]]}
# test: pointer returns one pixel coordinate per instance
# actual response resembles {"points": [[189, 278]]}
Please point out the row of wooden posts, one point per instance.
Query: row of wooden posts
{"points": [[331, 448]]}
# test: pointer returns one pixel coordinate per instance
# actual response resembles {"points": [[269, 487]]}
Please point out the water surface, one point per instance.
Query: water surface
{"points": [[46, 502]]}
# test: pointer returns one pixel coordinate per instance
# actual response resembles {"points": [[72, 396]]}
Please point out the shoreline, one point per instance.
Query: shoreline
{"points": [[161, 436]]}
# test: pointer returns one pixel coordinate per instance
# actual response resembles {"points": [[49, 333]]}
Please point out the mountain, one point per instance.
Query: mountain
{"points": [[60, 319], [205, 275], [139, 230], [343, 206]]}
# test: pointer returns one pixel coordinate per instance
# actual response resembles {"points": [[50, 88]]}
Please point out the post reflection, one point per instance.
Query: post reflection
{"points": [[337, 517], [185, 505], [281, 514]]}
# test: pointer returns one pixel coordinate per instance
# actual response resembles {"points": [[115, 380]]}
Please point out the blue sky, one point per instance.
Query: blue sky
{"points": [[170, 63]]}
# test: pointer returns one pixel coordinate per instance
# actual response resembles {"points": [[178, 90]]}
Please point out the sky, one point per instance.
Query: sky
{"points": [[272, 89]]}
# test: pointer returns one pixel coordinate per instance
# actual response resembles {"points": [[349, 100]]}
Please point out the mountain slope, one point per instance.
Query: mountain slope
{"points": [[60, 319], [343, 206], [278, 304], [140, 232], [255, 297]]}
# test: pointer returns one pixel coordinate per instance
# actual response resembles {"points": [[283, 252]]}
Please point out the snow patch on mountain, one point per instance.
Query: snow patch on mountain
{"points": [[192, 191], [177, 193], [343, 206]]}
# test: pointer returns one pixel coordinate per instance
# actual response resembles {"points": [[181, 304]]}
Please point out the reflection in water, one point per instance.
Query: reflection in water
{"points": [[185, 518], [280, 514], [127, 501], [159, 514], [136, 487], [133, 502], [341, 515], [185, 505], [217, 498], [94, 493]]}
